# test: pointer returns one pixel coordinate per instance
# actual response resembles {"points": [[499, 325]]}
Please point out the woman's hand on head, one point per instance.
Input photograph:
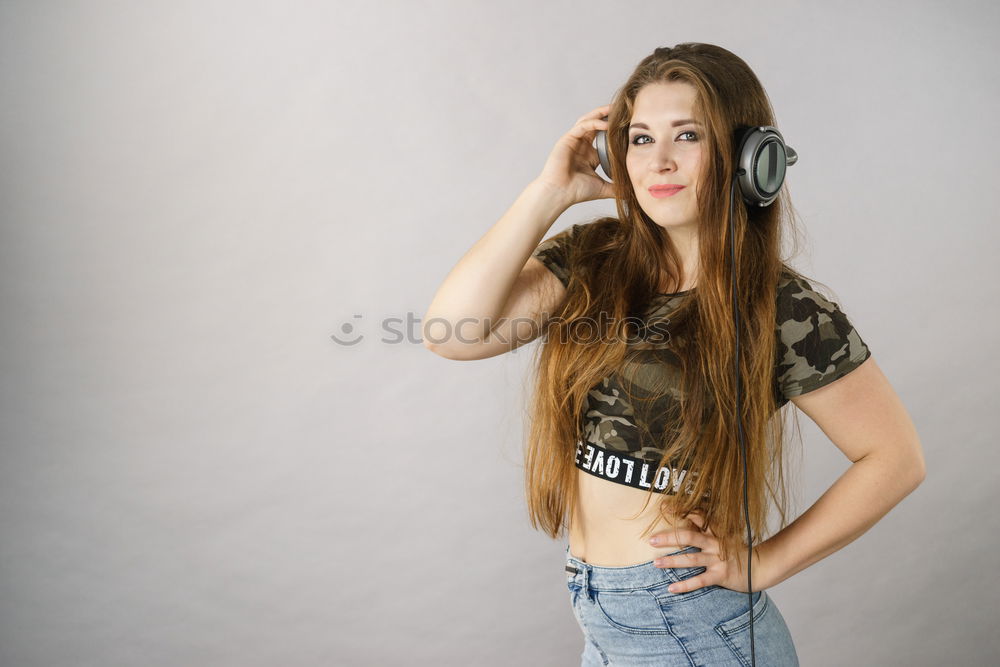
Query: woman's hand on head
{"points": [[570, 168]]}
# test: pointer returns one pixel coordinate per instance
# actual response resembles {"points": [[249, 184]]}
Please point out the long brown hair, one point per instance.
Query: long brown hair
{"points": [[639, 255]]}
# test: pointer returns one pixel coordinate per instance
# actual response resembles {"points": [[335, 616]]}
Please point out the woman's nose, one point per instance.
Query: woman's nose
{"points": [[663, 165], [663, 159]]}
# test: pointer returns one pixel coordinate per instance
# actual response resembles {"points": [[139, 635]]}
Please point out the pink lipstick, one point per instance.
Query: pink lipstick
{"points": [[660, 191]]}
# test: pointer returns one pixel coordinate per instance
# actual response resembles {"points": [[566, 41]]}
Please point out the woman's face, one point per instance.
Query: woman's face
{"points": [[665, 148]]}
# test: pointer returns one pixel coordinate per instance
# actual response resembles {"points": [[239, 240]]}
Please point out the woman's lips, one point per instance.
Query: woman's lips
{"points": [[660, 192]]}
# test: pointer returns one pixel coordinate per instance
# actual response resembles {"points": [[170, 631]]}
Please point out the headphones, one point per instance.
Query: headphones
{"points": [[762, 157]]}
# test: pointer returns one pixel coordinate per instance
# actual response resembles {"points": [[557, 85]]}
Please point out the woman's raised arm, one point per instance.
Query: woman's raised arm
{"points": [[498, 297]]}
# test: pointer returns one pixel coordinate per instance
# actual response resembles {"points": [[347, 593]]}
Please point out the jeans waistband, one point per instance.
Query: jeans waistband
{"points": [[642, 575]]}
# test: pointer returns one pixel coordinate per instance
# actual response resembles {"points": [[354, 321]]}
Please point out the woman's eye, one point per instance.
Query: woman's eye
{"points": [[635, 140]]}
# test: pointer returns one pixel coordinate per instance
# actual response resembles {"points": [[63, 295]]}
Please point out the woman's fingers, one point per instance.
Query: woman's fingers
{"points": [[688, 585], [599, 112], [681, 537], [694, 559], [588, 125], [572, 163]]}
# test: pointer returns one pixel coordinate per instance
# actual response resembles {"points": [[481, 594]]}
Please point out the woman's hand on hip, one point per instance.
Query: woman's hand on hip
{"points": [[731, 574]]}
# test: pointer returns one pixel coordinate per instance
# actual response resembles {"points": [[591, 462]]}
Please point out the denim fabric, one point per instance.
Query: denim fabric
{"points": [[628, 617]]}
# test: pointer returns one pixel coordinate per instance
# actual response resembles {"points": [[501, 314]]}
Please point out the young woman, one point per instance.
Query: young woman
{"points": [[635, 391]]}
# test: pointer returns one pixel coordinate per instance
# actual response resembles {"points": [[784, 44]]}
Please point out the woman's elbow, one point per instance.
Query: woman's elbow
{"points": [[916, 465]]}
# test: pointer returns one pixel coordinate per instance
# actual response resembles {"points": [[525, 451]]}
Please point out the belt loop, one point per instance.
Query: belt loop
{"points": [[581, 573], [586, 583]]}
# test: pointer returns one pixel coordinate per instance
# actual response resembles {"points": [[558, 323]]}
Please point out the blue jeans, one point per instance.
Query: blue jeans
{"points": [[628, 617]]}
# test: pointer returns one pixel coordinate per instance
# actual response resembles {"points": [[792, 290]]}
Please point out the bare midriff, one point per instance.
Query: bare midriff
{"points": [[607, 524]]}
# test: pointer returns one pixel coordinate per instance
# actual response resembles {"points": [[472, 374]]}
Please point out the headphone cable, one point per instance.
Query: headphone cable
{"points": [[739, 413]]}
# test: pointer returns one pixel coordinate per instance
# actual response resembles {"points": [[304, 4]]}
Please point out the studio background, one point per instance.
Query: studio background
{"points": [[197, 197]]}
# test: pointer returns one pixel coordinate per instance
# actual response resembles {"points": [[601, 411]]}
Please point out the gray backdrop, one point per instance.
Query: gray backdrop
{"points": [[196, 196]]}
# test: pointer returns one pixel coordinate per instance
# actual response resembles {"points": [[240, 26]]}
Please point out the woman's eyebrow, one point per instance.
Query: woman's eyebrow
{"points": [[676, 123]]}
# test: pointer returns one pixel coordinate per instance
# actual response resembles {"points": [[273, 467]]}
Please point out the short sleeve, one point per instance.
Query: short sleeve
{"points": [[816, 342], [554, 253]]}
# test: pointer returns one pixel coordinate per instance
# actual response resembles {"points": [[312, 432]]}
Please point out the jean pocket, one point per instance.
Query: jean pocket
{"points": [[635, 612], [736, 631]]}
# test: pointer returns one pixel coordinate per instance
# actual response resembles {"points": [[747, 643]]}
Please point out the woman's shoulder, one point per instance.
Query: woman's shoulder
{"points": [[798, 298], [558, 250], [790, 280], [817, 341], [580, 230]]}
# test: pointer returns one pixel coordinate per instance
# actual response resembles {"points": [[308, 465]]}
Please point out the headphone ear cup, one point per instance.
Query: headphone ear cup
{"points": [[603, 153], [761, 157]]}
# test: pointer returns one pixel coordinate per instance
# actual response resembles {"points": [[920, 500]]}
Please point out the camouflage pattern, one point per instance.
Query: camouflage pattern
{"points": [[629, 410], [553, 253], [817, 344]]}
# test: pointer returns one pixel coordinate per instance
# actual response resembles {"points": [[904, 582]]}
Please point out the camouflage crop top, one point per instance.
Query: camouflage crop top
{"points": [[816, 344]]}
